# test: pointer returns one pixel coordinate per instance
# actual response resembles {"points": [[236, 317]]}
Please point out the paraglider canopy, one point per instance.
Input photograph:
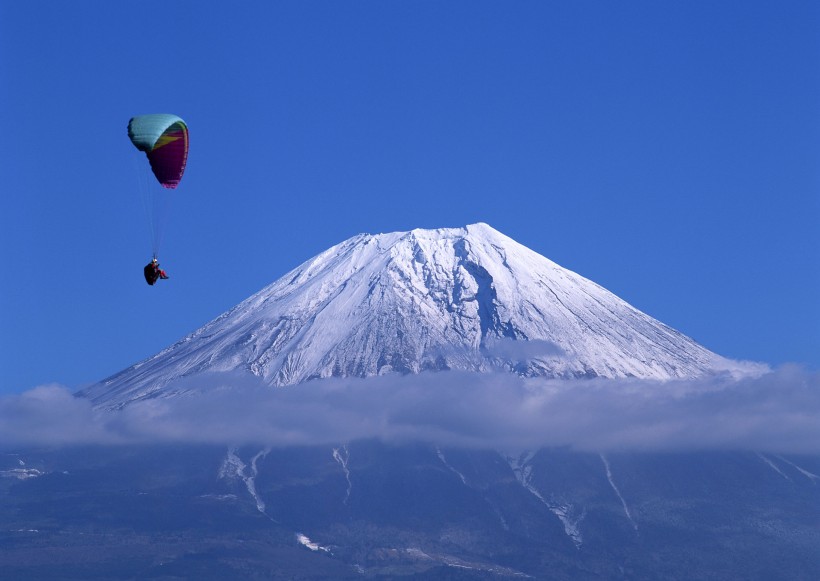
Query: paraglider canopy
{"points": [[164, 139]]}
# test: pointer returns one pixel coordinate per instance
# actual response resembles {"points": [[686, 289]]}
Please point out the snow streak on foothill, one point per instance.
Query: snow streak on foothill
{"points": [[521, 465], [234, 467], [342, 456], [444, 461], [618, 492]]}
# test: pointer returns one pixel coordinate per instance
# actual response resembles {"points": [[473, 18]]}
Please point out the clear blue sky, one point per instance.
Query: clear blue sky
{"points": [[668, 151]]}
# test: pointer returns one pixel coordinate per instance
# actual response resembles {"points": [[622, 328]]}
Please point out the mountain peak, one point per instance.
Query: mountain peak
{"points": [[466, 298]]}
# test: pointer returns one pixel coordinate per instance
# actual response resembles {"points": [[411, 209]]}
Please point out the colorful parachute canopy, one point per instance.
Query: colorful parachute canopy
{"points": [[164, 139]]}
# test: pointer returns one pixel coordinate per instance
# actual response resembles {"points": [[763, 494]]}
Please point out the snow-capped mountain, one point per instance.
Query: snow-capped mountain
{"points": [[461, 298], [383, 507]]}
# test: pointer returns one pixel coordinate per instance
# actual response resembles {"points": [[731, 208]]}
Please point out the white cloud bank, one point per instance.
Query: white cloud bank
{"points": [[776, 412]]}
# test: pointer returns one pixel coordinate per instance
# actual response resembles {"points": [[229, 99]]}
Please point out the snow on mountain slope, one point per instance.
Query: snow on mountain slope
{"points": [[458, 298]]}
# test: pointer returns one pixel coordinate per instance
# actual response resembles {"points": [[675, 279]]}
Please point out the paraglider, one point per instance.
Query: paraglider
{"points": [[153, 272], [164, 139]]}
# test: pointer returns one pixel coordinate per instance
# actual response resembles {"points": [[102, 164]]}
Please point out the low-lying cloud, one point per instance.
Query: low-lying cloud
{"points": [[776, 412]]}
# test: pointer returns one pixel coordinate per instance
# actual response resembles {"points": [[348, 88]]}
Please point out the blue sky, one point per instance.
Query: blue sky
{"points": [[668, 151]]}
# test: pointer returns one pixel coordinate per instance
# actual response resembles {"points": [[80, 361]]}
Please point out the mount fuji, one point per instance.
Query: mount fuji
{"points": [[405, 302], [378, 504]]}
